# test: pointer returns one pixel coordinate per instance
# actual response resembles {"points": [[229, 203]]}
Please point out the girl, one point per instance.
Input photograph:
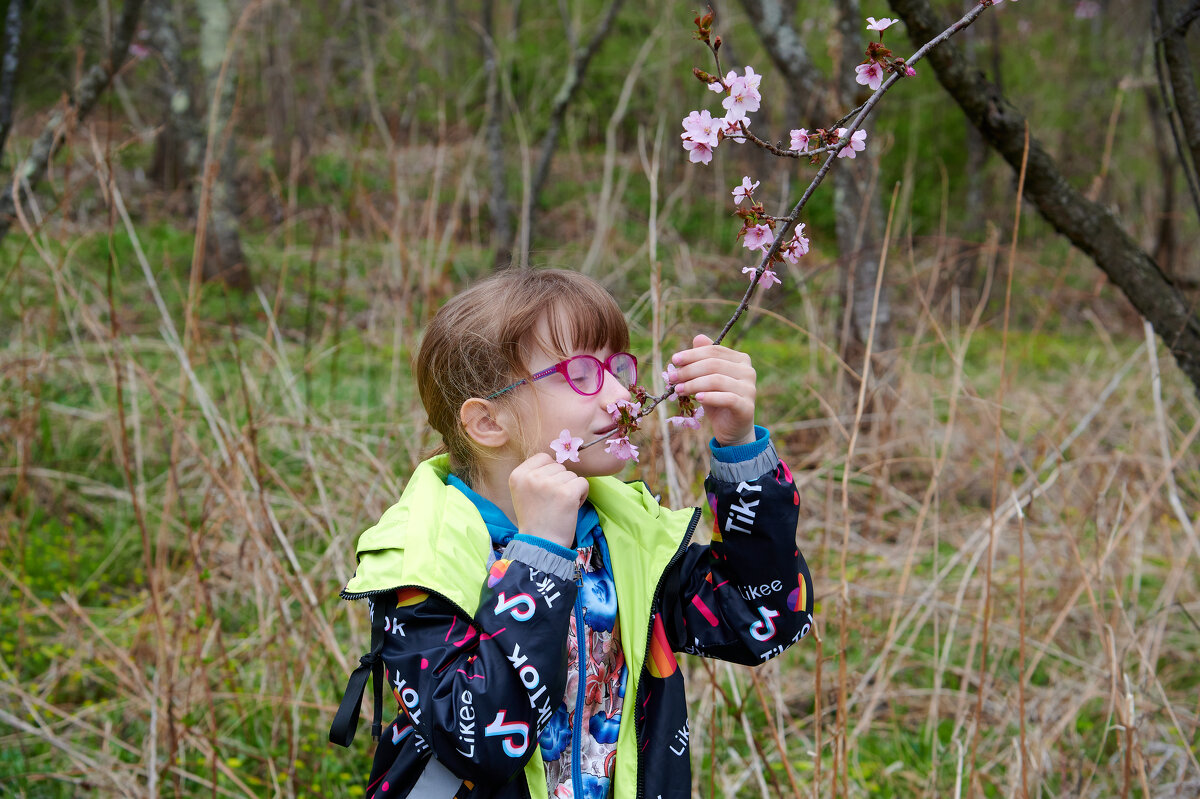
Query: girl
{"points": [[525, 612]]}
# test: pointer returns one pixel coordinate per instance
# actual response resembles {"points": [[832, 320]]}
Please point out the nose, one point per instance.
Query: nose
{"points": [[612, 389]]}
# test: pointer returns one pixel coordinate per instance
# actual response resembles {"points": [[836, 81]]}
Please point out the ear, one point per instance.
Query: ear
{"points": [[479, 419]]}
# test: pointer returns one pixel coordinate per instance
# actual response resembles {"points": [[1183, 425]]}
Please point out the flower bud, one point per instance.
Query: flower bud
{"points": [[716, 45]]}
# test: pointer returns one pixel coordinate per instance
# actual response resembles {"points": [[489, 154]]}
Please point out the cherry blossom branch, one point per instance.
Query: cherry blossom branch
{"points": [[701, 137], [790, 220]]}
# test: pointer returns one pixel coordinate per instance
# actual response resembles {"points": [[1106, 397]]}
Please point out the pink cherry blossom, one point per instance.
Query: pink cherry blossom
{"points": [[790, 252], [910, 72], [858, 143], [742, 99], [614, 408], [691, 422], [800, 139], [758, 237], [566, 447], [732, 128], [698, 152], [622, 448], [753, 79], [797, 247], [767, 279], [699, 126], [881, 25], [744, 191], [870, 74]]}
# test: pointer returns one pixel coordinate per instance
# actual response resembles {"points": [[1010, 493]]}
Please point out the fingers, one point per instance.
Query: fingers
{"points": [[716, 371], [546, 496], [542, 473]]}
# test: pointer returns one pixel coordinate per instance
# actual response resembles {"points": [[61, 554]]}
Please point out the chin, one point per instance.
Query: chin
{"points": [[604, 466]]}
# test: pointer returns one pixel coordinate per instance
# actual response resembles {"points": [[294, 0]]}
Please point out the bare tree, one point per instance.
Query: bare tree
{"points": [[498, 204], [179, 158], [1091, 227], [223, 258], [83, 98], [577, 65]]}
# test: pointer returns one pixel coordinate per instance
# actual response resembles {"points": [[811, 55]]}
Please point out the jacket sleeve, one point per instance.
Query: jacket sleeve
{"points": [[478, 691], [748, 596]]}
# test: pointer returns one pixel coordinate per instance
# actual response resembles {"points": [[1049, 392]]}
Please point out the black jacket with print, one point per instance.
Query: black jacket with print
{"points": [[476, 692]]}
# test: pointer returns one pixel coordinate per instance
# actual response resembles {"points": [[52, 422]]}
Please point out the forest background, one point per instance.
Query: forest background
{"points": [[235, 217]]}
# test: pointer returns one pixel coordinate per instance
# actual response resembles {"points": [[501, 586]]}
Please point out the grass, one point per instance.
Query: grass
{"points": [[186, 615]]}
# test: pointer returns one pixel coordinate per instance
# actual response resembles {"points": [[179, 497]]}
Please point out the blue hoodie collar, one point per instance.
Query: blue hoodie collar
{"points": [[501, 528]]}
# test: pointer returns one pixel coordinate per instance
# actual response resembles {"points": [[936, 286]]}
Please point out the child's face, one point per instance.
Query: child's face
{"points": [[558, 406]]}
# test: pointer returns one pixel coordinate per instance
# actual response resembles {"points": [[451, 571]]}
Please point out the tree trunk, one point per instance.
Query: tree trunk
{"points": [[83, 99], [223, 257], [179, 146], [859, 220], [498, 204], [1089, 226]]}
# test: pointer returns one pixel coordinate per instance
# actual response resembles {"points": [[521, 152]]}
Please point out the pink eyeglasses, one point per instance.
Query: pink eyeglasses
{"points": [[586, 373]]}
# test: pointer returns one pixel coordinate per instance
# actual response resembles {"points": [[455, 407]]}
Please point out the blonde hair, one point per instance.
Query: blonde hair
{"points": [[480, 342]]}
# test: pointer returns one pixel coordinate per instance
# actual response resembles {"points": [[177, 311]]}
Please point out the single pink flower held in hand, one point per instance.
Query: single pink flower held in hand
{"points": [[566, 447]]}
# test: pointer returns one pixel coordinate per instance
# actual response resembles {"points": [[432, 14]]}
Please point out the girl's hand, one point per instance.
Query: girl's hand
{"points": [[546, 498], [723, 382]]}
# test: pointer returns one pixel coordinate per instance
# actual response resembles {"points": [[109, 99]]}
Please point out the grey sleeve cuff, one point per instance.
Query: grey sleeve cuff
{"points": [[541, 559], [750, 469]]}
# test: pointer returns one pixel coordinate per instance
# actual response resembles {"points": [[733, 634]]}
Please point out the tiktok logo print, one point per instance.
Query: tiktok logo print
{"points": [[764, 629], [515, 734]]}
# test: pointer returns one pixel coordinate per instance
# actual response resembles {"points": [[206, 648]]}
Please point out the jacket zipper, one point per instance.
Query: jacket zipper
{"points": [[580, 648], [687, 537], [368, 594]]}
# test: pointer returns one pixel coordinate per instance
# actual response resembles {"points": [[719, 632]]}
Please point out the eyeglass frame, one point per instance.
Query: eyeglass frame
{"points": [[561, 368]]}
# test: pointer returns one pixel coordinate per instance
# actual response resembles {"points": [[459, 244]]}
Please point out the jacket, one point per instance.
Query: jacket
{"points": [[471, 642]]}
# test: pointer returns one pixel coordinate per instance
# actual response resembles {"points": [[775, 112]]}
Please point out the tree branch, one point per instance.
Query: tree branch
{"points": [[576, 69], [86, 93], [1183, 21], [1089, 226]]}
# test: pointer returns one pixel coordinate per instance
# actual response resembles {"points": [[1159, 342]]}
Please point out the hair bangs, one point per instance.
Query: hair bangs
{"points": [[585, 318]]}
